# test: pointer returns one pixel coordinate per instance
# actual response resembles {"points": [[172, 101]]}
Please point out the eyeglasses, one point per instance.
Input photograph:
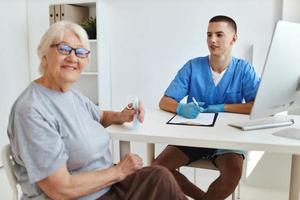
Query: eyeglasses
{"points": [[65, 49]]}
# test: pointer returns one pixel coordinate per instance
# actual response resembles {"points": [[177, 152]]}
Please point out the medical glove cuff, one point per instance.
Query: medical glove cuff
{"points": [[221, 107], [179, 108], [215, 108]]}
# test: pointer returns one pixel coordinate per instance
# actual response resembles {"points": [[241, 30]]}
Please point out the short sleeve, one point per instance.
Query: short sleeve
{"points": [[179, 87], [250, 83], [38, 143]]}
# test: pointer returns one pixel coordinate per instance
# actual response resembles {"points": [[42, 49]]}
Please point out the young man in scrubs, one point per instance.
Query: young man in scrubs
{"points": [[219, 83]]}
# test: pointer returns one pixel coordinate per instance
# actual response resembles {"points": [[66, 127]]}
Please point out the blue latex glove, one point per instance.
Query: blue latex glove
{"points": [[214, 108], [189, 110]]}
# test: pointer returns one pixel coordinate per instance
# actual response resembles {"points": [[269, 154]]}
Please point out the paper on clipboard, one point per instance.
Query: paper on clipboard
{"points": [[203, 119]]}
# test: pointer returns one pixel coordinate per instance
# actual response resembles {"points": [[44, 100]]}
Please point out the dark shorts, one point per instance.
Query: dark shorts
{"points": [[198, 153]]}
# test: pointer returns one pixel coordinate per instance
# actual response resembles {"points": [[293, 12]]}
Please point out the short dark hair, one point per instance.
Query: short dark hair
{"points": [[223, 18]]}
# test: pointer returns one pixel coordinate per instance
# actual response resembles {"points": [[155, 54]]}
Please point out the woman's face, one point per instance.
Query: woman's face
{"points": [[61, 69]]}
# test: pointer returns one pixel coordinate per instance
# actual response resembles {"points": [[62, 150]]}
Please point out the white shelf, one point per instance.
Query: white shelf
{"points": [[93, 40], [90, 5], [93, 64], [89, 73]]}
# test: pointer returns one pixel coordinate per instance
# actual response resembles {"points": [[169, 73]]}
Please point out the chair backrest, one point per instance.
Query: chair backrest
{"points": [[8, 163]]}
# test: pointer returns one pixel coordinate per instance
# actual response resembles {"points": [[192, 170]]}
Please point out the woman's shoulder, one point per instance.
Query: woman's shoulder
{"points": [[28, 100]]}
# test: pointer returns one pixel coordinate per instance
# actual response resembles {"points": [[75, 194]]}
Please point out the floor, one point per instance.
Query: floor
{"points": [[247, 192]]}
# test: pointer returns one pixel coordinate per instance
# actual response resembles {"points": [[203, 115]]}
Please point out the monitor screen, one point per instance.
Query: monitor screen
{"points": [[279, 89]]}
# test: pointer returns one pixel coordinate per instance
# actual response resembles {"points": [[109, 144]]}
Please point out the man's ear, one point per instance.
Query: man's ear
{"points": [[234, 38]]}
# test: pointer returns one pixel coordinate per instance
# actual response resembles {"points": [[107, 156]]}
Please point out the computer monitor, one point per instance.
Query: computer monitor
{"points": [[279, 89]]}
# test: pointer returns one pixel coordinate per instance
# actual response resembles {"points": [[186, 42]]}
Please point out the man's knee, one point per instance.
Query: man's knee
{"points": [[160, 171], [166, 158], [229, 162], [155, 162]]}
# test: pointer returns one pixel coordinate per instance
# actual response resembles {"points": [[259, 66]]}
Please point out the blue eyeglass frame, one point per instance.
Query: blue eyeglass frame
{"points": [[70, 49]]}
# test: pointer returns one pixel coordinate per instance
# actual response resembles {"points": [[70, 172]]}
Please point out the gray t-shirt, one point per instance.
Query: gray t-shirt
{"points": [[47, 129]]}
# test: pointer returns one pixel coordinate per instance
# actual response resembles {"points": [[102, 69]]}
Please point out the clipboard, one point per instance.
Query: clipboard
{"points": [[203, 119]]}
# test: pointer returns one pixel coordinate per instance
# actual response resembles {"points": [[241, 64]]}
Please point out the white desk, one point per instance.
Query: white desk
{"points": [[155, 130]]}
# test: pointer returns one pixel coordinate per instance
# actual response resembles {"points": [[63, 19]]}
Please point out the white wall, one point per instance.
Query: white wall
{"points": [[14, 69], [38, 23], [291, 10], [272, 170]]}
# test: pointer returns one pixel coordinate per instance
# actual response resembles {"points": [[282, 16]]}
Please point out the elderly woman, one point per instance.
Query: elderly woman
{"points": [[58, 136]]}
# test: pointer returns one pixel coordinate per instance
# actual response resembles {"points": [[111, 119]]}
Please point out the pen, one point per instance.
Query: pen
{"points": [[195, 102]]}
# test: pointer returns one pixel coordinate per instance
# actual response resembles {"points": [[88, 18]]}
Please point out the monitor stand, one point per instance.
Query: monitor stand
{"points": [[293, 133]]}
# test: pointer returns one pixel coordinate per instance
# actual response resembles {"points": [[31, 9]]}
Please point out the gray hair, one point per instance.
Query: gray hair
{"points": [[55, 34]]}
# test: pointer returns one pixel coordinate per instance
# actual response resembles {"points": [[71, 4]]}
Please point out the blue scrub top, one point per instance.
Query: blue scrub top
{"points": [[194, 79]]}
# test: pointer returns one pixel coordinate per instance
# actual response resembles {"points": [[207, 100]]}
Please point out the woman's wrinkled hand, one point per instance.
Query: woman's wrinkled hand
{"points": [[127, 114], [129, 164]]}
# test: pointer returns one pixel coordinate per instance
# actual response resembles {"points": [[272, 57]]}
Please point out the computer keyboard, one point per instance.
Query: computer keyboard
{"points": [[270, 122]]}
